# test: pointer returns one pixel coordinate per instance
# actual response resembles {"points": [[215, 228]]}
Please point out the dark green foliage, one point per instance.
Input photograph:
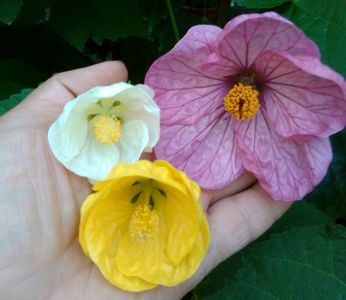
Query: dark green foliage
{"points": [[302, 263], [325, 23], [9, 10], [260, 3], [303, 256], [13, 100]]}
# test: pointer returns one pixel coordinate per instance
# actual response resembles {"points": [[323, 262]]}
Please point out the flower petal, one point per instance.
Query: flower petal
{"points": [[286, 168], [302, 95], [101, 92], [102, 224], [161, 172], [139, 105], [131, 241], [182, 223], [158, 267], [206, 151], [67, 135], [246, 36], [134, 139], [95, 161], [183, 92]]}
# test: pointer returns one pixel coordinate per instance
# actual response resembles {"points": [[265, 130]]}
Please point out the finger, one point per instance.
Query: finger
{"points": [[45, 103], [67, 85], [236, 221], [211, 196], [242, 183]]}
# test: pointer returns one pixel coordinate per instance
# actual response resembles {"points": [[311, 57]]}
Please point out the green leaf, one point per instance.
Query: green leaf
{"points": [[330, 195], [9, 9], [304, 263], [13, 100], [260, 3], [153, 13], [325, 23], [77, 21], [16, 73], [32, 12], [300, 214]]}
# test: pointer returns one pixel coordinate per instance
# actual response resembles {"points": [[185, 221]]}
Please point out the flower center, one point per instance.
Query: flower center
{"points": [[242, 101], [144, 223], [107, 129]]}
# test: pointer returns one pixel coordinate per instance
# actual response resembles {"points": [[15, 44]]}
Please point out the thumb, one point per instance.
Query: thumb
{"points": [[45, 103]]}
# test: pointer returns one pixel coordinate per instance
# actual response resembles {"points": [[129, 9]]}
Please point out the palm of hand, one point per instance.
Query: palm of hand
{"points": [[40, 201]]}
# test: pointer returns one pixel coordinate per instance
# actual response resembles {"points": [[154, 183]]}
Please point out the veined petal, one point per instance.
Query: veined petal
{"points": [[135, 136], [286, 168], [95, 160], [245, 37], [183, 92], [206, 151], [303, 95]]}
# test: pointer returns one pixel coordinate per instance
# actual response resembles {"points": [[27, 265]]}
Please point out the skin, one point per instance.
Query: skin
{"points": [[40, 202]]}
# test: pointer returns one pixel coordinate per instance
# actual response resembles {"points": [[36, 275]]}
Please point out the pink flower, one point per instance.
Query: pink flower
{"points": [[253, 96]]}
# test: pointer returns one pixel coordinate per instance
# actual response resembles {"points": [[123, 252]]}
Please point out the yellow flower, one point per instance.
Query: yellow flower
{"points": [[144, 226]]}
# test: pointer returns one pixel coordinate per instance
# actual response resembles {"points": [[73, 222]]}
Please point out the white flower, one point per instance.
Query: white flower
{"points": [[104, 126]]}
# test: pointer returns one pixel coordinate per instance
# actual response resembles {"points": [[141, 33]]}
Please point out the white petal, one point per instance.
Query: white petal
{"points": [[74, 133], [147, 89], [133, 141], [74, 144], [95, 160], [110, 90], [141, 106], [67, 110], [54, 140], [66, 139], [88, 99]]}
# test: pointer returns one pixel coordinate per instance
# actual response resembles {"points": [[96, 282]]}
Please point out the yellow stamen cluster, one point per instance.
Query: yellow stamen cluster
{"points": [[107, 129], [242, 101], [144, 223]]}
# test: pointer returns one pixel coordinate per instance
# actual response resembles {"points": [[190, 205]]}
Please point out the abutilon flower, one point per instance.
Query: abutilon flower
{"points": [[144, 226], [104, 126], [253, 96]]}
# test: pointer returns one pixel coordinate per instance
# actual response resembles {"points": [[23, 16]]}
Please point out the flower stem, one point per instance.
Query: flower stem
{"points": [[174, 24]]}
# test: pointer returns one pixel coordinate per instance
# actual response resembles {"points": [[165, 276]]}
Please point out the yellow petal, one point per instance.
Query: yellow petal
{"points": [[160, 237], [158, 259], [105, 216], [144, 169], [146, 260], [129, 283], [182, 224], [186, 183]]}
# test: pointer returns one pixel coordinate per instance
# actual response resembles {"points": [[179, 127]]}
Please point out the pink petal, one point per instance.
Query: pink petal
{"points": [[205, 151], [246, 36], [183, 92], [287, 169], [301, 95]]}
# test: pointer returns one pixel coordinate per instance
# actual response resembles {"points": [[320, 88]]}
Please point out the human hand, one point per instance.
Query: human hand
{"points": [[40, 201]]}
